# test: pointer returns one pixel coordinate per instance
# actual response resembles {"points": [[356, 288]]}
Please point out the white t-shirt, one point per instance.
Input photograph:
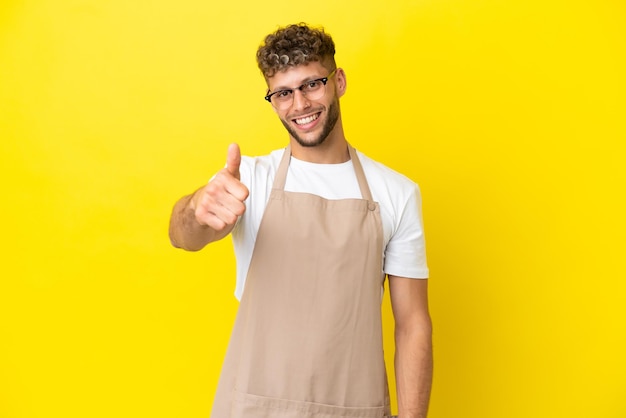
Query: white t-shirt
{"points": [[404, 252]]}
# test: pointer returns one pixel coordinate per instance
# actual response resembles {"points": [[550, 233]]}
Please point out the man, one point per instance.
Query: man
{"points": [[316, 227]]}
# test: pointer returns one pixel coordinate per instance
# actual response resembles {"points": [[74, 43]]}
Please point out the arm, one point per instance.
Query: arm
{"points": [[413, 338], [212, 211]]}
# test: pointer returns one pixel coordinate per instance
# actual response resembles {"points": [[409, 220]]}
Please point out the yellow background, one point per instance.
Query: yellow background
{"points": [[509, 114]]}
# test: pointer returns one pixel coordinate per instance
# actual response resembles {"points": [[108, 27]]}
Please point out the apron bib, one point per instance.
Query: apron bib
{"points": [[307, 340]]}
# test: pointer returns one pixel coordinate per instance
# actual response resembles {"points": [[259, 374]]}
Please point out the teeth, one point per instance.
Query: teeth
{"points": [[308, 119]]}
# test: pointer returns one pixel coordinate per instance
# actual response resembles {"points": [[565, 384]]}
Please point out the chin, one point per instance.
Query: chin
{"points": [[309, 143], [307, 140]]}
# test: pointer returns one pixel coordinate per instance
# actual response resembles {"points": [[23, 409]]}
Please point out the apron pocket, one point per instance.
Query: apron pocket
{"points": [[254, 406]]}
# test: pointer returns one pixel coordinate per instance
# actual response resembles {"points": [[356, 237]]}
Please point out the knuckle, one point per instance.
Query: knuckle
{"points": [[232, 218], [211, 189], [244, 192], [199, 213], [218, 225], [240, 209]]}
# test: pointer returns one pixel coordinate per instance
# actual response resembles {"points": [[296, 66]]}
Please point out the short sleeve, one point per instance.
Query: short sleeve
{"points": [[405, 254]]}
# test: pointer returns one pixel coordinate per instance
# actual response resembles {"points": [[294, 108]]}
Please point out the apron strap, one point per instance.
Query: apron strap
{"points": [[360, 175], [281, 173]]}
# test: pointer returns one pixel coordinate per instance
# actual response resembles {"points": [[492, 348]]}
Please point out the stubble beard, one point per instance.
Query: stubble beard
{"points": [[329, 125]]}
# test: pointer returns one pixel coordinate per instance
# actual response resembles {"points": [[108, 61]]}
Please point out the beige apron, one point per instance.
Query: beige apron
{"points": [[307, 341]]}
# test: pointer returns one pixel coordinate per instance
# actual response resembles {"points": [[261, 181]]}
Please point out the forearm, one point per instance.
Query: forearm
{"points": [[185, 232], [414, 370]]}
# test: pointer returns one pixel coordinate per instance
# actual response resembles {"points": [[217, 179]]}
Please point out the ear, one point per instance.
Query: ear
{"points": [[340, 82]]}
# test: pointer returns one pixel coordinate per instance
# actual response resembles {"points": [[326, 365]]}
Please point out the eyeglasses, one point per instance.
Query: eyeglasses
{"points": [[312, 89]]}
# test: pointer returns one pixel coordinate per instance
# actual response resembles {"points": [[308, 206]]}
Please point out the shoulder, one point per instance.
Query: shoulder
{"points": [[386, 183], [262, 168]]}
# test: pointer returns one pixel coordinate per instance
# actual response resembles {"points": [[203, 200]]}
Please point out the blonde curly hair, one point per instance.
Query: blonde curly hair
{"points": [[295, 45]]}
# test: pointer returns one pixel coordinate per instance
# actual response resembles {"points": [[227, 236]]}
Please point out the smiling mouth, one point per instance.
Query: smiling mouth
{"points": [[307, 119]]}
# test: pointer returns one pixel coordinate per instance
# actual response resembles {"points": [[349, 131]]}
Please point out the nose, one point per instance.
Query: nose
{"points": [[300, 101]]}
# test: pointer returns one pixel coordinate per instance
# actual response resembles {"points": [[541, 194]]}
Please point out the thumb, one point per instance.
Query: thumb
{"points": [[233, 160]]}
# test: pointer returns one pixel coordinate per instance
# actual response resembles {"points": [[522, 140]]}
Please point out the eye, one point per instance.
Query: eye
{"points": [[313, 84], [282, 94]]}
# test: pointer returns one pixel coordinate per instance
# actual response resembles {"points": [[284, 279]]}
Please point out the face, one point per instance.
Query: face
{"points": [[309, 122]]}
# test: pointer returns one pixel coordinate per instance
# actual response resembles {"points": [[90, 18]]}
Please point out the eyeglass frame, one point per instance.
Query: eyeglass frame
{"points": [[324, 80]]}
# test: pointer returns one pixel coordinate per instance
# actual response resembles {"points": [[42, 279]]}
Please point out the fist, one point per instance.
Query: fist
{"points": [[220, 203]]}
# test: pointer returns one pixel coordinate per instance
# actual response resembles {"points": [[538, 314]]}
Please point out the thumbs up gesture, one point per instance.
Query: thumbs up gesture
{"points": [[220, 203]]}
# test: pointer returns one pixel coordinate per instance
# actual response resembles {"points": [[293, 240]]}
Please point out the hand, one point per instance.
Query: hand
{"points": [[220, 203]]}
